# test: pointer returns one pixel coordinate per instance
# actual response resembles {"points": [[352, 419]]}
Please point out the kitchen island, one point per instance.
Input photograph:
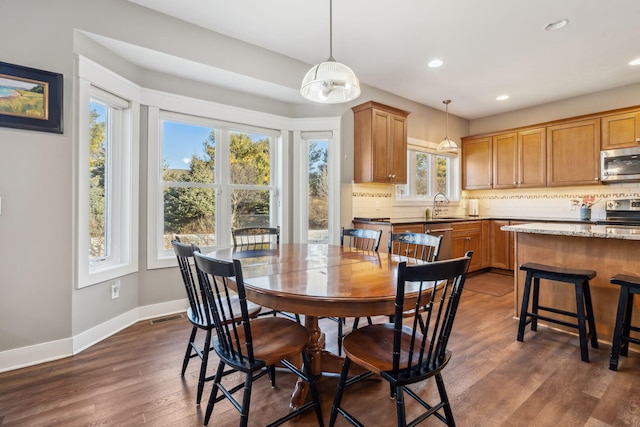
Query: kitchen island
{"points": [[607, 249]]}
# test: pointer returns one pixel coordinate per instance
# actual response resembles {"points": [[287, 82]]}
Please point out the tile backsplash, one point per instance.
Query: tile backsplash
{"points": [[375, 200]]}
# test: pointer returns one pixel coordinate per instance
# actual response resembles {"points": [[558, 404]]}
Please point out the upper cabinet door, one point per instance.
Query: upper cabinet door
{"points": [[476, 163], [504, 160], [532, 158], [621, 130], [572, 153], [380, 144]]}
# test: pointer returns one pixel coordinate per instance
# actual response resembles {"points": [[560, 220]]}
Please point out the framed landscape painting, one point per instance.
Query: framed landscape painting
{"points": [[30, 98]]}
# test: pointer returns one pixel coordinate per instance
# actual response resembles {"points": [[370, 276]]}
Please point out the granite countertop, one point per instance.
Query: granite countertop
{"points": [[421, 220], [578, 230]]}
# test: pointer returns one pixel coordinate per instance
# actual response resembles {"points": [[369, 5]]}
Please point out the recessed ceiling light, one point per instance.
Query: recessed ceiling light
{"points": [[635, 62], [556, 25], [435, 63], [502, 97]]}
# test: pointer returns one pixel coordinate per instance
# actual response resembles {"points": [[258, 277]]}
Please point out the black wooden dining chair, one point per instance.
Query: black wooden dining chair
{"points": [[415, 246], [252, 238], [199, 312], [255, 239], [253, 347], [419, 246], [406, 355], [360, 239]]}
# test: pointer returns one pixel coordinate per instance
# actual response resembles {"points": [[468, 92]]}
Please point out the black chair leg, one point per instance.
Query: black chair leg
{"points": [[272, 375], [525, 307], [535, 303], [582, 329], [203, 366], [339, 392], [340, 319], [187, 355], [246, 400], [214, 393], [626, 325], [448, 413], [356, 322], [618, 330], [400, 408], [315, 396], [590, 317]]}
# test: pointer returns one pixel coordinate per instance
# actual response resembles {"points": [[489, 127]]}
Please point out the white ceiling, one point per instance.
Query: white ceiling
{"points": [[489, 47]]}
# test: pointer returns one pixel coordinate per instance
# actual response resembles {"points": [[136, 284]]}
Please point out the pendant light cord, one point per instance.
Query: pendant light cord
{"points": [[446, 103], [331, 30]]}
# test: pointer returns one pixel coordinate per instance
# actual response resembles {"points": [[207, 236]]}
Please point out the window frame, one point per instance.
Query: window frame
{"points": [[231, 118], [221, 185], [453, 174], [95, 81], [305, 132]]}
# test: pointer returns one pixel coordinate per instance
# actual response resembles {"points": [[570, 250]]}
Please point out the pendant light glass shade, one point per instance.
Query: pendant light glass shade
{"points": [[447, 144], [330, 82]]}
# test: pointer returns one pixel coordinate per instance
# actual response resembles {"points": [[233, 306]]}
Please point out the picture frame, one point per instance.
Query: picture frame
{"points": [[30, 99]]}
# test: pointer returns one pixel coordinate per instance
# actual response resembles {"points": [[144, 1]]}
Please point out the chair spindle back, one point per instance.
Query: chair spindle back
{"points": [[360, 238], [234, 338], [441, 284], [254, 238], [197, 301], [421, 246]]}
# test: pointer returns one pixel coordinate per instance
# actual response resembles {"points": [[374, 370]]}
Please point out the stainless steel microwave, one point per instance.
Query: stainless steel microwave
{"points": [[620, 165]]}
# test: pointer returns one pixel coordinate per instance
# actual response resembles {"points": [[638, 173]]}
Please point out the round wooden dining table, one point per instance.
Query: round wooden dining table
{"points": [[319, 280]]}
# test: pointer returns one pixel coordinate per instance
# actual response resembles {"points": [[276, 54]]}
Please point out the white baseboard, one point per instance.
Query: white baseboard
{"points": [[53, 350]]}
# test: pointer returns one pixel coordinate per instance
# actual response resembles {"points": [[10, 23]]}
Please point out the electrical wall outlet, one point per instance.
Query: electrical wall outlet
{"points": [[574, 205], [115, 289]]}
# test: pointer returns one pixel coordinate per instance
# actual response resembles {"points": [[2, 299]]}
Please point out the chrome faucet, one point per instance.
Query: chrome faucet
{"points": [[440, 206]]}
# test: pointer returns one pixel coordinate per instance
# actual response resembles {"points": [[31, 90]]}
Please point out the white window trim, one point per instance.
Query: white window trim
{"points": [[430, 147], [324, 127], [88, 75], [211, 111]]}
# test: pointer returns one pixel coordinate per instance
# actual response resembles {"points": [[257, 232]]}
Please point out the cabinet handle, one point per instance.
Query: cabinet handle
{"points": [[595, 179], [638, 140]]}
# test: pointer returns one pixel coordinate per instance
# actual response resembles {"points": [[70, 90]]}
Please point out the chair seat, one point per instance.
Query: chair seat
{"points": [[557, 273], [252, 308], [633, 282], [277, 338], [370, 347]]}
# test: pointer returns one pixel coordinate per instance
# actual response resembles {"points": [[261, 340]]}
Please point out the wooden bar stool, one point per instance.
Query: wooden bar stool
{"points": [[584, 310], [629, 286]]}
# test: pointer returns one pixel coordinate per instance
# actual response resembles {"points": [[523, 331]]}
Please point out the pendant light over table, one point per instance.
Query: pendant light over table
{"points": [[447, 144], [330, 82]]}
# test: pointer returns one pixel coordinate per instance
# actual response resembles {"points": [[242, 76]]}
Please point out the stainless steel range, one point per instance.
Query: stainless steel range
{"points": [[623, 211]]}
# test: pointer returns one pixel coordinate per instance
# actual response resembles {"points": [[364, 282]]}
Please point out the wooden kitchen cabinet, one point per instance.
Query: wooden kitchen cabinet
{"points": [[467, 236], [380, 144], [486, 243], [500, 245], [504, 150], [519, 159], [531, 158], [573, 150], [621, 130], [476, 163]]}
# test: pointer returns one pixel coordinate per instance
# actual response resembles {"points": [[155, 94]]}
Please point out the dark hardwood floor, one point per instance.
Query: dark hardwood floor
{"points": [[133, 378]]}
